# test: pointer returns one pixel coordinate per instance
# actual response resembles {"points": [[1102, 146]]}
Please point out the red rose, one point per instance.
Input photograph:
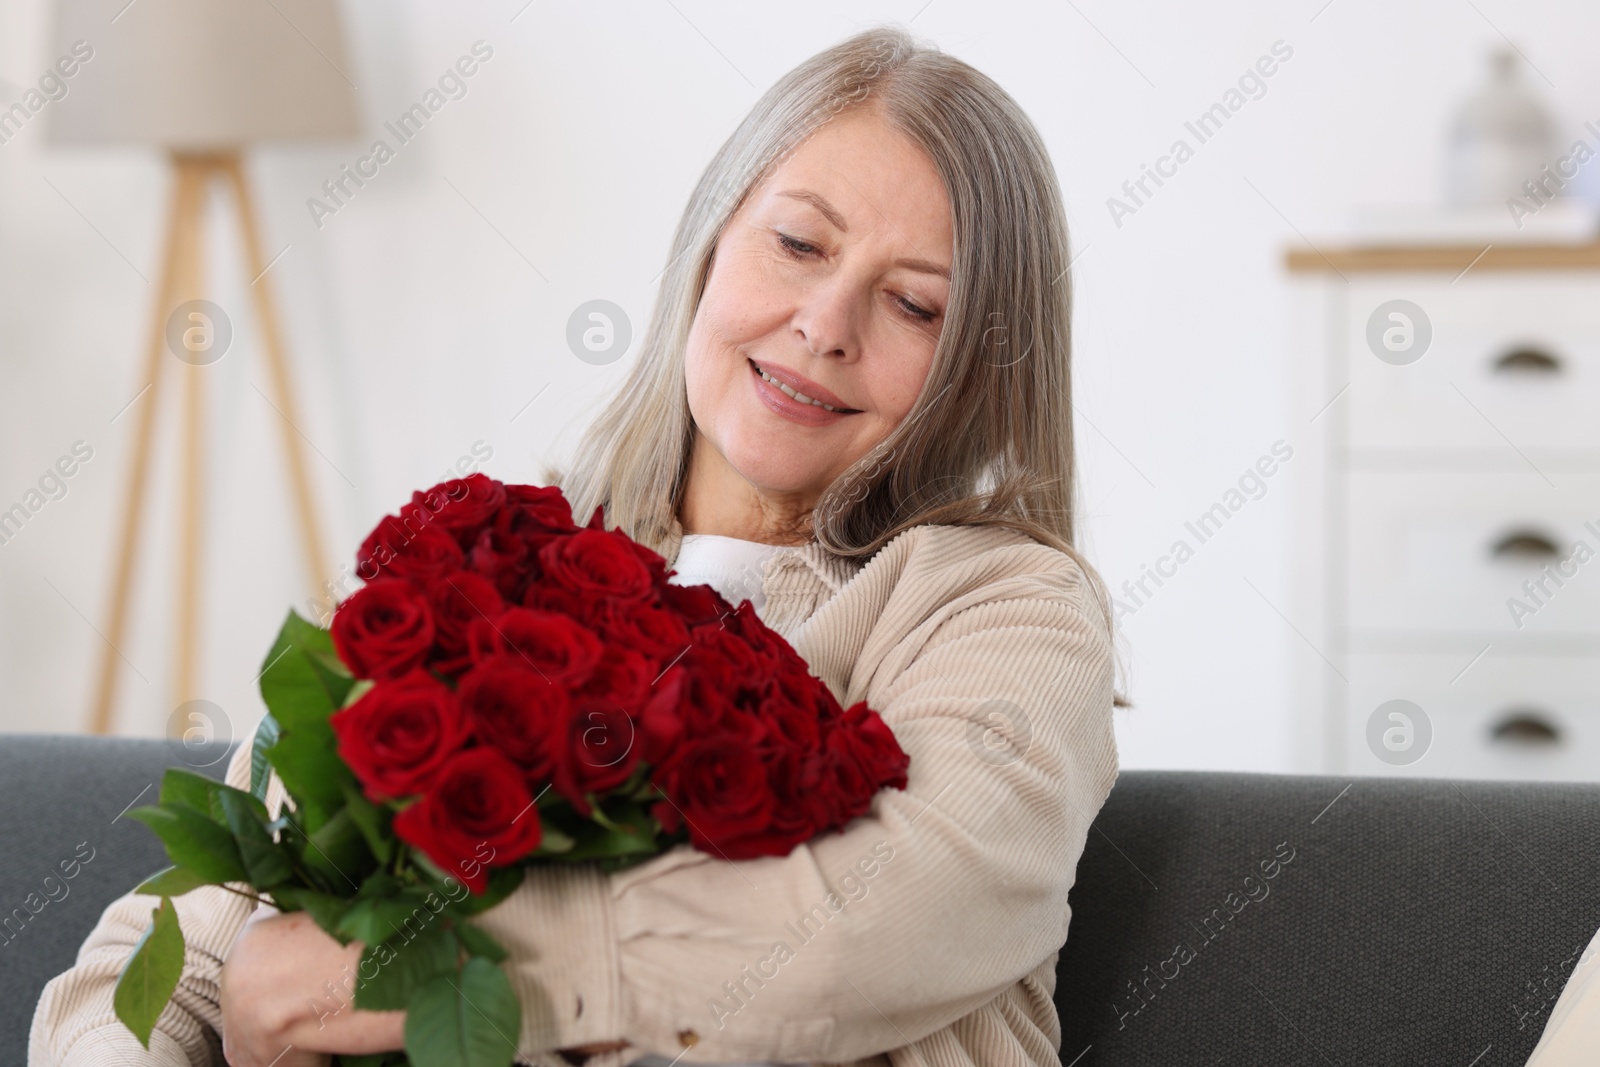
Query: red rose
{"points": [[807, 690], [511, 709], [457, 601], [799, 810], [557, 648], [719, 787], [653, 561], [543, 596], [409, 546], [398, 734], [698, 605], [383, 629], [655, 633], [619, 680], [598, 750], [479, 814], [715, 650], [709, 706], [788, 704], [763, 640], [542, 507], [862, 740], [660, 724], [844, 788], [460, 505], [598, 564], [536, 525], [504, 557]]}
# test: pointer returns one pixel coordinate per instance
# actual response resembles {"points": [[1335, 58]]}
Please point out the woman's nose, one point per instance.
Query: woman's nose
{"points": [[827, 317]]}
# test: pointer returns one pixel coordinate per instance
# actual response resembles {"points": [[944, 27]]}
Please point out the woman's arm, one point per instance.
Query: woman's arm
{"points": [[868, 939], [280, 983], [74, 1023]]}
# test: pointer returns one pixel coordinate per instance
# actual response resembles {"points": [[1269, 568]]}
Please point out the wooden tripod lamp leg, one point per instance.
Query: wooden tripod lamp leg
{"points": [[266, 311], [181, 280], [191, 534], [182, 216]]}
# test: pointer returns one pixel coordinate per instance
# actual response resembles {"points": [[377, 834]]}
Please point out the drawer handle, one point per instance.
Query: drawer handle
{"points": [[1527, 360], [1526, 729], [1525, 545]]}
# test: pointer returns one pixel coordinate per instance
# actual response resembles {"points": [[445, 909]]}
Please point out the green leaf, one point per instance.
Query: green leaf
{"points": [[636, 781], [338, 853], [331, 672], [502, 880], [607, 843], [553, 842], [291, 688], [151, 974], [625, 830], [393, 971], [301, 679], [192, 790], [265, 860], [627, 819], [325, 908], [478, 943], [612, 844], [378, 884], [172, 882], [267, 735], [194, 841], [357, 691], [466, 1020], [372, 821], [242, 800], [307, 634], [380, 919], [308, 763]]}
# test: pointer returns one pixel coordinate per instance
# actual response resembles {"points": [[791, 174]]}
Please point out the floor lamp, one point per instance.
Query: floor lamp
{"points": [[202, 80]]}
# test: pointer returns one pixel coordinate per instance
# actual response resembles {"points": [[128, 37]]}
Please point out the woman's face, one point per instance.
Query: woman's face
{"points": [[832, 277]]}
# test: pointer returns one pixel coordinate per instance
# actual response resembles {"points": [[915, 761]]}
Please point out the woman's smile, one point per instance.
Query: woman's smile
{"points": [[792, 403]]}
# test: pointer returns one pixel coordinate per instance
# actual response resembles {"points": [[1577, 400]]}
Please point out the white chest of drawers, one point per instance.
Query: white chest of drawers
{"points": [[1447, 525]]}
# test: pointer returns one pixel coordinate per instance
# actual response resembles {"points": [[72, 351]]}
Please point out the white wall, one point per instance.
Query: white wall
{"points": [[419, 328]]}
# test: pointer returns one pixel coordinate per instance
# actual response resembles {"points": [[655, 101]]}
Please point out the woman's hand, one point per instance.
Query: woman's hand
{"points": [[288, 985]]}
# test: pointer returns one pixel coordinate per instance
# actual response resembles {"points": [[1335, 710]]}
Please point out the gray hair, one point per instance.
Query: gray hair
{"points": [[989, 439]]}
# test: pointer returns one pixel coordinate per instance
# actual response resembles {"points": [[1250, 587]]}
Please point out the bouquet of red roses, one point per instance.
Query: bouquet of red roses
{"points": [[507, 688]]}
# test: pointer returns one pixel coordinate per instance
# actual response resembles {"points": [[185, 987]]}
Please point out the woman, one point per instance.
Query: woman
{"points": [[853, 405], [1572, 1032]]}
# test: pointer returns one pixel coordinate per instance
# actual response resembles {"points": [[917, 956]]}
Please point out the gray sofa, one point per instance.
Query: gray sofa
{"points": [[1390, 922]]}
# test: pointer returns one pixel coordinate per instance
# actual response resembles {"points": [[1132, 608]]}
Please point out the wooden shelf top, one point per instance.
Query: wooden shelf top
{"points": [[1303, 259]]}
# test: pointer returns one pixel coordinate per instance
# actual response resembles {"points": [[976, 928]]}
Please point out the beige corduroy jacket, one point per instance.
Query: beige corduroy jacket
{"points": [[924, 934]]}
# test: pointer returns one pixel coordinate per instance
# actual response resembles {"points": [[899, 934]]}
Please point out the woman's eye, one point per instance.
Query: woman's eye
{"points": [[913, 310], [796, 248]]}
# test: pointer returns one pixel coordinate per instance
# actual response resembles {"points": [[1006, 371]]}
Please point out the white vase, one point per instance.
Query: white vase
{"points": [[1502, 136]]}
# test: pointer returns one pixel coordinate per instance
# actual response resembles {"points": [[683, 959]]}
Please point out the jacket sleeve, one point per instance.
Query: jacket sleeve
{"points": [[75, 1025], [871, 938]]}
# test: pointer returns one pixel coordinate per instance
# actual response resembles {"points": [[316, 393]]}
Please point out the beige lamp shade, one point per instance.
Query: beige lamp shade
{"points": [[202, 75]]}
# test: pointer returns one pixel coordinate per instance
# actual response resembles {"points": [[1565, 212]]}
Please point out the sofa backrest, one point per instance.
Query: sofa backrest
{"points": [[1217, 918], [66, 852], [1248, 919]]}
